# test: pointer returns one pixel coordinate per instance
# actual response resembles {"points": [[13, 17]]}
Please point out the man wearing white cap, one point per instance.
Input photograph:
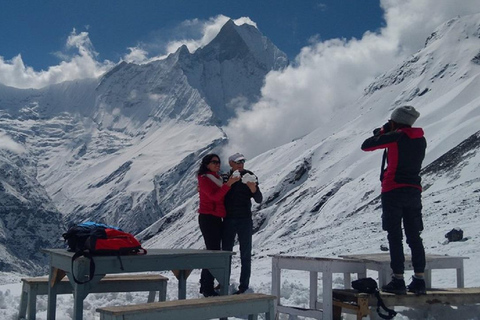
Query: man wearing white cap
{"points": [[238, 220], [401, 194]]}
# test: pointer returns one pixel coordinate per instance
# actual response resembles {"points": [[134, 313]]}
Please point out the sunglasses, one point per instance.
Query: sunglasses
{"points": [[215, 162], [240, 161]]}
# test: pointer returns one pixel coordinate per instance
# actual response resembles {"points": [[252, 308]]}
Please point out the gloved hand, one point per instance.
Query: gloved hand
{"points": [[384, 129], [387, 127]]}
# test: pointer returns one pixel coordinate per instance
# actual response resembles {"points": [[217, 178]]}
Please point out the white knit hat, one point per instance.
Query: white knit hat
{"points": [[405, 115]]}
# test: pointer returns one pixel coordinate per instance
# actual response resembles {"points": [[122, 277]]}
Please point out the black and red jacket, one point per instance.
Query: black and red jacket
{"points": [[405, 153]]}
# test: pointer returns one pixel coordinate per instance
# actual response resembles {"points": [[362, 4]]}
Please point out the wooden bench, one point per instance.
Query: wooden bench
{"points": [[359, 303], [32, 287], [196, 309]]}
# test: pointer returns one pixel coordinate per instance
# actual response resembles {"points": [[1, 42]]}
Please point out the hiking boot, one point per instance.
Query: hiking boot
{"points": [[417, 286], [396, 286], [240, 291], [209, 293]]}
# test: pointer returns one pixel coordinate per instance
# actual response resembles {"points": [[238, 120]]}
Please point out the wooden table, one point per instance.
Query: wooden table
{"points": [[381, 262], [181, 261], [314, 265]]}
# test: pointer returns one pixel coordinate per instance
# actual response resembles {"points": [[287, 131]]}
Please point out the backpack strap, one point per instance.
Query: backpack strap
{"points": [[87, 255], [384, 160], [381, 304]]}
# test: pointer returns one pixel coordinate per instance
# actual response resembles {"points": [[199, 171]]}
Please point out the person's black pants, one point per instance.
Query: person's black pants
{"points": [[211, 228], [243, 227], [397, 205]]}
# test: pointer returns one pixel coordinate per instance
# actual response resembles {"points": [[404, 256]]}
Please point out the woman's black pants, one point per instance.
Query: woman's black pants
{"points": [[211, 228]]}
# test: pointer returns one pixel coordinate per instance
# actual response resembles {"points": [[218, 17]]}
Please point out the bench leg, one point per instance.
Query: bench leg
{"points": [[22, 313], [337, 313], [32, 303], [271, 314], [253, 317], [162, 293], [151, 296], [363, 309]]}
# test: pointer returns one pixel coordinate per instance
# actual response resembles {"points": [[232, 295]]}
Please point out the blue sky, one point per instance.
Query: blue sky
{"points": [[38, 30]]}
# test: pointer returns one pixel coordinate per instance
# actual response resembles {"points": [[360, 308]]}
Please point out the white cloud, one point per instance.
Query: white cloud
{"points": [[137, 55], [79, 65], [332, 74]]}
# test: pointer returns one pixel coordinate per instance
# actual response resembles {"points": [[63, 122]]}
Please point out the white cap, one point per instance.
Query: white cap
{"points": [[236, 157]]}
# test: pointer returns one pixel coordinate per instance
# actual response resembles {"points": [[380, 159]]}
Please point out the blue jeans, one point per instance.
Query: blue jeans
{"points": [[397, 205], [243, 227]]}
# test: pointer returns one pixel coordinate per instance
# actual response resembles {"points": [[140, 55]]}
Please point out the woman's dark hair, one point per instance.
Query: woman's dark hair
{"points": [[205, 161]]}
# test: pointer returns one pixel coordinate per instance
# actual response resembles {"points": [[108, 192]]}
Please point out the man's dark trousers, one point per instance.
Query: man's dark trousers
{"points": [[243, 227], [397, 205]]}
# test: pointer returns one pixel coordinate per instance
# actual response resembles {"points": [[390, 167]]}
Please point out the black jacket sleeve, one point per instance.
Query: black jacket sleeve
{"points": [[380, 141]]}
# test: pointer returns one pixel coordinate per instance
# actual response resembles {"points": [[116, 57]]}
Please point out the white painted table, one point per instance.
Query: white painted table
{"points": [[181, 261], [314, 265], [380, 262]]}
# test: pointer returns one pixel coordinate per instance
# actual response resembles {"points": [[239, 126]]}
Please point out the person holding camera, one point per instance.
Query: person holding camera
{"points": [[238, 220], [404, 151]]}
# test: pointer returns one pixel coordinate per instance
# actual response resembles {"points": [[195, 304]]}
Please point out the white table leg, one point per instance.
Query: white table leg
{"points": [[327, 295], [276, 278]]}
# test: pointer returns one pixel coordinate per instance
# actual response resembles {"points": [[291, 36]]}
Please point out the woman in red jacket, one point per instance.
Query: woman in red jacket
{"points": [[211, 210]]}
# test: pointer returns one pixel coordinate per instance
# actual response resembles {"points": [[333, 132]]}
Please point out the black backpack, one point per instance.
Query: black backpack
{"points": [[369, 285], [77, 235], [456, 234], [89, 238]]}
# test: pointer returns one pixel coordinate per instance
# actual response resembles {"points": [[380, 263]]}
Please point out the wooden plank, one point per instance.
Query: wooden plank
{"points": [[116, 283], [179, 304], [126, 277], [58, 275], [221, 306], [453, 296], [302, 312]]}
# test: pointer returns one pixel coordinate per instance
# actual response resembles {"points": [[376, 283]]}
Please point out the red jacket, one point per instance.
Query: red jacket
{"points": [[406, 151], [211, 195]]}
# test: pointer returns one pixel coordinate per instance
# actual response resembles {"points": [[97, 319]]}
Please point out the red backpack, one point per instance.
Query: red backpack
{"points": [[90, 239], [107, 241]]}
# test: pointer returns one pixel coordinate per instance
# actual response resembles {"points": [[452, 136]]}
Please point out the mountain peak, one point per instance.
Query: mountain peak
{"points": [[237, 42], [227, 45]]}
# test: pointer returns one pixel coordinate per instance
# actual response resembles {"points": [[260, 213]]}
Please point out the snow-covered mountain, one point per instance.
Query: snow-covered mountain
{"points": [[322, 190], [125, 153], [121, 149]]}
